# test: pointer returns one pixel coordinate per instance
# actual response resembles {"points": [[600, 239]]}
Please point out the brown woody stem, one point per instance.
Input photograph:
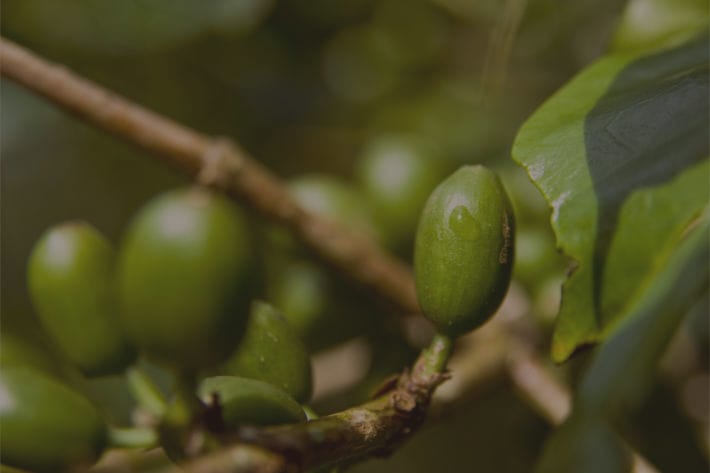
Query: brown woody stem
{"points": [[374, 428]]}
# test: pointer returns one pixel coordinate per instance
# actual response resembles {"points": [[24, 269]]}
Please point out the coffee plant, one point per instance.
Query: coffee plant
{"points": [[497, 270]]}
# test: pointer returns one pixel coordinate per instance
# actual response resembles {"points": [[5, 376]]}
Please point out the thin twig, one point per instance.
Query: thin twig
{"points": [[216, 161], [374, 428], [550, 398]]}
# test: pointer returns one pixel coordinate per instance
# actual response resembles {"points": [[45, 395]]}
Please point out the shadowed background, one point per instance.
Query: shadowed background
{"points": [[303, 85]]}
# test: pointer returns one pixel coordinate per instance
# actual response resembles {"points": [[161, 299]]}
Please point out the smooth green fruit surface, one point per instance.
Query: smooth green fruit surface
{"points": [[17, 352], [71, 280], [333, 199], [183, 279], [45, 425], [397, 173], [536, 257], [301, 290], [464, 250], [272, 351], [250, 401], [323, 309]]}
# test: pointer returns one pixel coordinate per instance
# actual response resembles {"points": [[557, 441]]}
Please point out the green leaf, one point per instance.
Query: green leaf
{"points": [[620, 154], [621, 373], [623, 369]]}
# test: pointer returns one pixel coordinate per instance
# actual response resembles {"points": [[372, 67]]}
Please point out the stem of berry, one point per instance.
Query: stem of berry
{"points": [[182, 433], [436, 354]]}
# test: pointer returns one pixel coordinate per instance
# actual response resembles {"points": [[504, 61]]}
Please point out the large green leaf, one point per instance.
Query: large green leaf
{"points": [[624, 367], [621, 373], [620, 154]]}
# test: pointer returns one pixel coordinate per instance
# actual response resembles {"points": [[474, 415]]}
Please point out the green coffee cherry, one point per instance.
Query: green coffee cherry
{"points": [[271, 351], [17, 352], [323, 309], [183, 279], [464, 250], [300, 289], [71, 280], [536, 257], [45, 425], [528, 203], [330, 198], [249, 401], [397, 173]]}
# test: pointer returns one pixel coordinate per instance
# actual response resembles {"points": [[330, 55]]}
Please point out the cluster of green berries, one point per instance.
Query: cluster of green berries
{"points": [[180, 292]]}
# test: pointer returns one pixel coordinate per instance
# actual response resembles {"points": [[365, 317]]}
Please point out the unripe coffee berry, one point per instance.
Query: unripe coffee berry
{"points": [[183, 276], [464, 250], [71, 280]]}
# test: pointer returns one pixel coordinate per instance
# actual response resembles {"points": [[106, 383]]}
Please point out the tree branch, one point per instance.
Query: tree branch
{"points": [[374, 428], [217, 162], [364, 430]]}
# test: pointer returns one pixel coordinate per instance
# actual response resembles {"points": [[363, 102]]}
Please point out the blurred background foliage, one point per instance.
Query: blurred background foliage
{"points": [[308, 86], [304, 85]]}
